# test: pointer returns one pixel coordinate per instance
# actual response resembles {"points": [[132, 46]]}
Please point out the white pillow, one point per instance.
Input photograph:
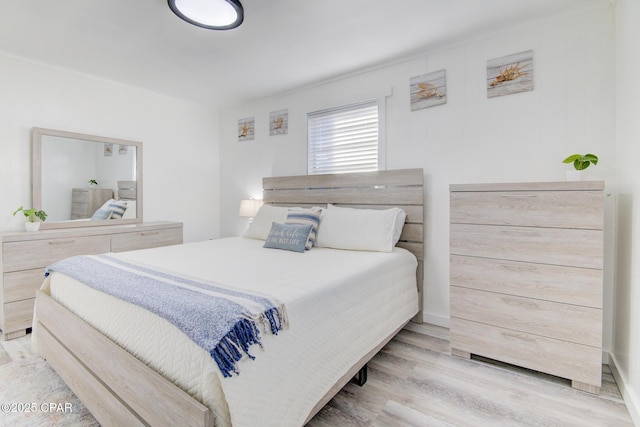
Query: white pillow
{"points": [[267, 215], [359, 229], [401, 216], [130, 213]]}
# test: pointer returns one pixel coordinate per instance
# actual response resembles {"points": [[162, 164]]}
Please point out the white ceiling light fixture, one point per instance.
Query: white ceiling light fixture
{"points": [[210, 14]]}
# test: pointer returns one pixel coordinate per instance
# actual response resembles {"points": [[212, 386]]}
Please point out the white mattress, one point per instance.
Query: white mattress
{"points": [[340, 304]]}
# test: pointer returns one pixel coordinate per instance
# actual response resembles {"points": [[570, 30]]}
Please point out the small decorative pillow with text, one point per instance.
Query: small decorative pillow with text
{"points": [[261, 225], [290, 237], [117, 208], [306, 216]]}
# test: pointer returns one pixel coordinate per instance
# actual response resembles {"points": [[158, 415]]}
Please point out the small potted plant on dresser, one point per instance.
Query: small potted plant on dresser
{"points": [[580, 163], [32, 214]]}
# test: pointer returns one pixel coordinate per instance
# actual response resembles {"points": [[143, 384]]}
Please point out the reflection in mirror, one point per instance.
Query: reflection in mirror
{"points": [[86, 180]]}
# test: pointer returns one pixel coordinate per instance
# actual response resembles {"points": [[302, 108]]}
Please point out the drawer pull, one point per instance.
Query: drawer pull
{"points": [[61, 242], [518, 336], [149, 233]]}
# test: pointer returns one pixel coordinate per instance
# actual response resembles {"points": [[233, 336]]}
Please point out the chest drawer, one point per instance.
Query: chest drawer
{"points": [[566, 359], [146, 239], [559, 283], [555, 246], [562, 209], [79, 210], [582, 325], [80, 196], [32, 254]]}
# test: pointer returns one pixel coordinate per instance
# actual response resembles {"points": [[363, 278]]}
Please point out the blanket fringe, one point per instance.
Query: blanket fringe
{"points": [[245, 333]]}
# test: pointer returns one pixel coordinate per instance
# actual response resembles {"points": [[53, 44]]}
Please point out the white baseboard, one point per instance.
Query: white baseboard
{"points": [[434, 319], [630, 398]]}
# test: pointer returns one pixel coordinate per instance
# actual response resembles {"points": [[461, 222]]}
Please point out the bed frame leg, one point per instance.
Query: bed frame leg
{"points": [[361, 376]]}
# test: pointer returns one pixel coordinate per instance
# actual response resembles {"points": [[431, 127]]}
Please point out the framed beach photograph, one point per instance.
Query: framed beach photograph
{"points": [[246, 129], [428, 90], [279, 122], [510, 74]]}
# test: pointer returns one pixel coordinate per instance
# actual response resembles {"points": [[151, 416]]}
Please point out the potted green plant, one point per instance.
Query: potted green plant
{"points": [[580, 163], [32, 214]]}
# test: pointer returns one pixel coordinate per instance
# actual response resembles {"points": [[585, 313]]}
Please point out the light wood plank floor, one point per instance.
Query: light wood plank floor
{"points": [[414, 381]]}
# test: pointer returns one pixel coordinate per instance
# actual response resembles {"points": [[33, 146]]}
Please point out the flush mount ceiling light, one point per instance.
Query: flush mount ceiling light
{"points": [[211, 14]]}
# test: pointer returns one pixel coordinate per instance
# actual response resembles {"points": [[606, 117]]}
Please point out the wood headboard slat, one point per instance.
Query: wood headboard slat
{"points": [[400, 177], [380, 196]]}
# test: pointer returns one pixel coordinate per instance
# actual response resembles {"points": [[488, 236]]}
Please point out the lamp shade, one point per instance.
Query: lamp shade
{"points": [[249, 207], [211, 14]]}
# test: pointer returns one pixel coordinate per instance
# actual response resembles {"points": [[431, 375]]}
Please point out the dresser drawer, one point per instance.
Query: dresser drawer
{"points": [[146, 239], [555, 246], [32, 254], [19, 285], [566, 322], [563, 209], [18, 315], [561, 358], [571, 285]]}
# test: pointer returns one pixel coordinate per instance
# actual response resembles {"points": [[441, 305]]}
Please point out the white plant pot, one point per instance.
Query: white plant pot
{"points": [[574, 175], [32, 226]]}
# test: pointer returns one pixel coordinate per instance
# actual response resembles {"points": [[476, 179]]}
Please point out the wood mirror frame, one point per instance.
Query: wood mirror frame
{"points": [[37, 140]]}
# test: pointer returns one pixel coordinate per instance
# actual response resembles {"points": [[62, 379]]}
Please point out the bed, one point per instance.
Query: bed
{"points": [[131, 368]]}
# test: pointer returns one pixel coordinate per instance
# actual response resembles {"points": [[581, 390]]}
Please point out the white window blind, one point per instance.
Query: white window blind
{"points": [[343, 139]]}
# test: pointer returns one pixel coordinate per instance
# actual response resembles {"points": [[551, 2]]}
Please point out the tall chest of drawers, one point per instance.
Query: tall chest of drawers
{"points": [[526, 276], [85, 201], [24, 255]]}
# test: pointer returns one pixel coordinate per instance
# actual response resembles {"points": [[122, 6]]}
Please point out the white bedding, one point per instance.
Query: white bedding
{"points": [[340, 305]]}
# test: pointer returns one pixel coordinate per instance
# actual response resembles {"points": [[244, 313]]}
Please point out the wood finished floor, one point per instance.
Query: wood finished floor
{"points": [[413, 381]]}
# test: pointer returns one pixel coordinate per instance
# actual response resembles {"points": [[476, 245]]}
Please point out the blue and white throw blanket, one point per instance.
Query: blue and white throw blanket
{"points": [[223, 321]]}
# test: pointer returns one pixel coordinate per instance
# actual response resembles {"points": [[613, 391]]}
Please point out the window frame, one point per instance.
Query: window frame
{"points": [[381, 146]]}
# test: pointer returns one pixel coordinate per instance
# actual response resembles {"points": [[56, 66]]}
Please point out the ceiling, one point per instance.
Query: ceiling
{"points": [[282, 44]]}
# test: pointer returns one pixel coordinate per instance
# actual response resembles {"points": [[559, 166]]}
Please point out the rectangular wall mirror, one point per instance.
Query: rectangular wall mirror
{"points": [[64, 163]]}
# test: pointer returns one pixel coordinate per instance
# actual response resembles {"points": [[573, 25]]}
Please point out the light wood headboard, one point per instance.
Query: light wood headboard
{"points": [[401, 188]]}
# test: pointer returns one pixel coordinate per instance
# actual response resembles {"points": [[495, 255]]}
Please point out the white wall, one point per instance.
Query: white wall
{"points": [[180, 149], [626, 340], [520, 137]]}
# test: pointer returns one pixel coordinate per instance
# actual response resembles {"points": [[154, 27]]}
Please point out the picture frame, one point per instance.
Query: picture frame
{"points": [[510, 74], [279, 122], [428, 90], [246, 129]]}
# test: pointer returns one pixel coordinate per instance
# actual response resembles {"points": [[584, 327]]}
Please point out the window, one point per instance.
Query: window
{"points": [[343, 139]]}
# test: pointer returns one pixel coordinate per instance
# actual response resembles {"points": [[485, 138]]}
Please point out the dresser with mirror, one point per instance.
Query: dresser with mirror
{"points": [[63, 164]]}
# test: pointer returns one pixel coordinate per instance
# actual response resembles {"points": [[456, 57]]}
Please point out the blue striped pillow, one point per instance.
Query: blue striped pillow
{"points": [[306, 216], [117, 209]]}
